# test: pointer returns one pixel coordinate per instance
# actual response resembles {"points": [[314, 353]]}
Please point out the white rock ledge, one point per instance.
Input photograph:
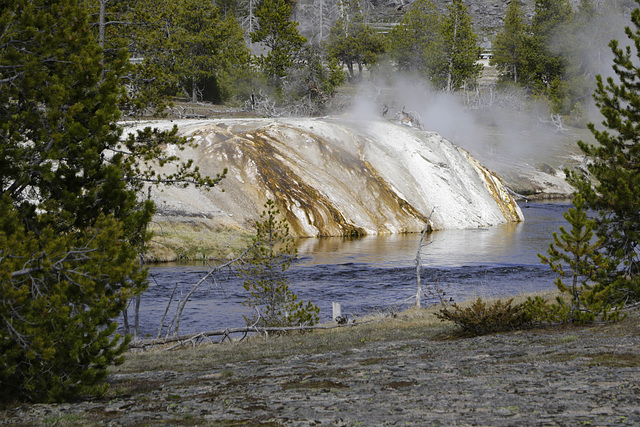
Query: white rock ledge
{"points": [[334, 177]]}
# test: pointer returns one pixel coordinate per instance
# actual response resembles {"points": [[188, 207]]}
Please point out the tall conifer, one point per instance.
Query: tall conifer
{"points": [[611, 184], [460, 48], [416, 42], [66, 265], [508, 48], [280, 35], [573, 253], [71, 224]]}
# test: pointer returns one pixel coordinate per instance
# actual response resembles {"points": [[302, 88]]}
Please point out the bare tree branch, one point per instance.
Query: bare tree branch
{"points": [[197, 285], [245, 329], [419, 261]]}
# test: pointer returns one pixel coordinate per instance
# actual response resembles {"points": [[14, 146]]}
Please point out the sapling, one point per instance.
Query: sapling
{"points": [[270, 298], [573, 255]]}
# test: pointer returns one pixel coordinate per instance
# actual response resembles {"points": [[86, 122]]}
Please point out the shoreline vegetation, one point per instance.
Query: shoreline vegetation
{"points": [[193, 240], [409, 360]]}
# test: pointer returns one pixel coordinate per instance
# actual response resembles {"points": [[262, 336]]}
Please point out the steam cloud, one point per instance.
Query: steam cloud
{"points": [[499, 127]]}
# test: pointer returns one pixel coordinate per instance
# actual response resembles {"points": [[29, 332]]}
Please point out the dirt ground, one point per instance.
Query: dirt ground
{"points": [[553, 376]]}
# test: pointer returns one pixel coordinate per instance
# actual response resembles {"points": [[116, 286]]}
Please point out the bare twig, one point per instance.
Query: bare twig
{"points": [[166, 310], [228, 331], [419, 260], [197, 285]]}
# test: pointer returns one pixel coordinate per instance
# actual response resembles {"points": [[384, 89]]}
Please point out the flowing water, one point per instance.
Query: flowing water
{"points": [[372, 273]]}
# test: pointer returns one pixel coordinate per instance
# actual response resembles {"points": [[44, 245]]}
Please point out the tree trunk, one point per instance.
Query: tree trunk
{"points": [[136, 318], [102, 24], [321, 33], [452, 55]]}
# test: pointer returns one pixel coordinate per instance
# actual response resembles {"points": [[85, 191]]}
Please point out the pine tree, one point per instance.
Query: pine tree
{"points": [[313, 83], [66, 265], [584, 55], [544, 65], [460, 48], [72, 226], [416, 42], [352, 42], [508, 47], [275, 305], [611, 185], [189, 48], [575, 251], [120, 25], [280, 35]]}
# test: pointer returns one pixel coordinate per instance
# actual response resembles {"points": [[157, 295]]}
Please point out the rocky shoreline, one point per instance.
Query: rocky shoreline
{"points": [[556, 376]]}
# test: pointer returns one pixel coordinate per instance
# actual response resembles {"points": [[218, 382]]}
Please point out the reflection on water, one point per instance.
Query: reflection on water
{"points": [[508, 244], [374, 272]]}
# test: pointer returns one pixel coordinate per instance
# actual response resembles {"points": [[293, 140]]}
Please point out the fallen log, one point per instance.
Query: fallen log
{"points": [[225, 332]]}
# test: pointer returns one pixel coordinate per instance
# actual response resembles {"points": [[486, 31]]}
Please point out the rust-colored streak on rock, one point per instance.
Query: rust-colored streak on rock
{"points": [[290, 190]]}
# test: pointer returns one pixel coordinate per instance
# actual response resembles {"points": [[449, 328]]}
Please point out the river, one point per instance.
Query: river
{"points": [[374, 273]]}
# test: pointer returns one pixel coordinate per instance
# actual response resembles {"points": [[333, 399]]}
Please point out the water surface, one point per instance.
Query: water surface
{"points": [[372, 273]]}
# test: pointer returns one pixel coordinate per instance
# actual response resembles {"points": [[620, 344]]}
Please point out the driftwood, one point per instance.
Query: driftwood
{"points": [[182, 339], [555, 120], [261, 103]]}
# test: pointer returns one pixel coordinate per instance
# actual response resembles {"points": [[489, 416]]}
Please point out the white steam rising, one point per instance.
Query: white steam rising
{"points": [[491, 135], [501, 126]]}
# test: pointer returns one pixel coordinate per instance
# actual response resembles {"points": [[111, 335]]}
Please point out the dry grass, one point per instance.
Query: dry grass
{"points": [[194, 240], [409, 324]]}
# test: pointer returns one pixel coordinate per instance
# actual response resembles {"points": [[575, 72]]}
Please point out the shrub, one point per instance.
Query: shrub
{"points": [[481, 318], [57, 336], [274, 304]]}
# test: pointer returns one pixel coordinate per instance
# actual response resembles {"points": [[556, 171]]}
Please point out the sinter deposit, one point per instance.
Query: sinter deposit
{"points": [[336, 177]]}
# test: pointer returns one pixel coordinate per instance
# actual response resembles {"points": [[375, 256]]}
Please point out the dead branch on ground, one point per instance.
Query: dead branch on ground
{"points": [[193, 338]]}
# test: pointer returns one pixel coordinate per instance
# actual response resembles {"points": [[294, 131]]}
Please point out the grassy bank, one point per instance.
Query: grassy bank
{"points": [[406, 325], [193, 240], [410, 324], [409, 368]]}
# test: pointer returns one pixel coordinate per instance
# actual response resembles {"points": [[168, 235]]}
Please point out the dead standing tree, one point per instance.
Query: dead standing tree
{"points": [[175, 323], [419, 259]]}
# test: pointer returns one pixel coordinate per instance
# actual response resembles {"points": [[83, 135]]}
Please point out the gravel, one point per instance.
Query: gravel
{"points": [[557, 376]]}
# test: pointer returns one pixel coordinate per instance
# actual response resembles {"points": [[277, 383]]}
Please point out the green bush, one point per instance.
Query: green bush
{"points": [[69, 220], [57, 336], [481, 318], [561, 311]]}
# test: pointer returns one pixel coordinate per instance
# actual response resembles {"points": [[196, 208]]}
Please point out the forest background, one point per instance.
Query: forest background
{"points": [[281, 56]]}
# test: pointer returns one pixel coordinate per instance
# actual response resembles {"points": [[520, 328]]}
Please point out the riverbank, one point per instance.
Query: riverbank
{"points": [[407, 370], [192, 237]]}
